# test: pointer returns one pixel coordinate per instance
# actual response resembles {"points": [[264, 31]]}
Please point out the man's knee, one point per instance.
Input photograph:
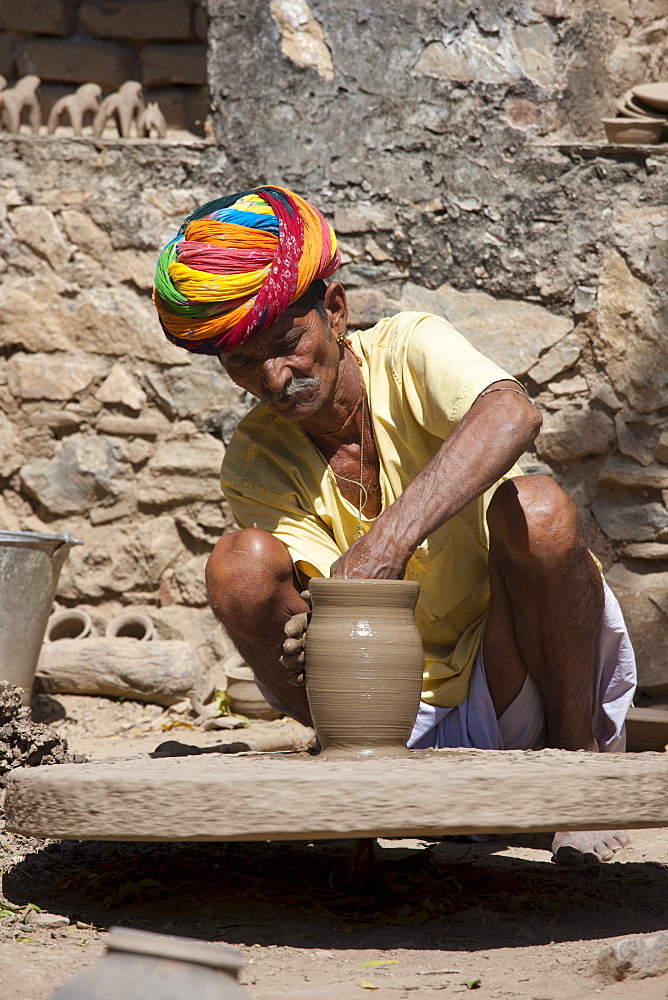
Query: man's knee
{"points": [[245, 566], [533, 517]]}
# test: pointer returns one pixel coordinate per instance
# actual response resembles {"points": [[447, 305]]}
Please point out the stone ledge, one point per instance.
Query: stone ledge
{"points": [[295, 797], [591, 149]]}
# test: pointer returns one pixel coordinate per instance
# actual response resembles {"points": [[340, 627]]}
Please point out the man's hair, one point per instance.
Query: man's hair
{"points": [[314, 298]]}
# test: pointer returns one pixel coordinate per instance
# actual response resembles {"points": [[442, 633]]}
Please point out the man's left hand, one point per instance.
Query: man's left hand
{"points": [[370, 558]]}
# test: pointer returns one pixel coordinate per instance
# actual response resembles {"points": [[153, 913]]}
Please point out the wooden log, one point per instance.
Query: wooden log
{"points": [[293, 797], [163, 672]]}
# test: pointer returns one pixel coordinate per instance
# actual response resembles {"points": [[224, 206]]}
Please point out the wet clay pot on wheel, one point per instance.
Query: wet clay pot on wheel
{"points": [[364, 664]]}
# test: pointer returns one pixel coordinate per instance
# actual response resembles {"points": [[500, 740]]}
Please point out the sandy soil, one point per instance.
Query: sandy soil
{"points": [[442, 914]]}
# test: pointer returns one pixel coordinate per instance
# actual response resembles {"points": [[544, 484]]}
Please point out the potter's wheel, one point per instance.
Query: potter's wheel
{"points": [[295, 797]]}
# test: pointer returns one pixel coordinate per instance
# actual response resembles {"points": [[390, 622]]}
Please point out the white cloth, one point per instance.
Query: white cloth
{"points": [[522, 725]]}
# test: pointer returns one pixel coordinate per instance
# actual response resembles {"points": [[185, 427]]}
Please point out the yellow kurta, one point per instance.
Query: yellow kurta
{"points": [[421, 377]]}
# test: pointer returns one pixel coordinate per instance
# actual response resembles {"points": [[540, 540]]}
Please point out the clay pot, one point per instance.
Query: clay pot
{"points": [[144, 966], [364, 664], [130, 625], [243, 694], [69, 623], [632, 131]]}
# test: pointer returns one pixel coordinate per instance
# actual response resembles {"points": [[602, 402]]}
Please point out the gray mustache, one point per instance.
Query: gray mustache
{"points": [[294, 387]]}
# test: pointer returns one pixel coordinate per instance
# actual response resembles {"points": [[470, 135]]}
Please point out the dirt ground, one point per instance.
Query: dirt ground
{"points": [[448, 916]]}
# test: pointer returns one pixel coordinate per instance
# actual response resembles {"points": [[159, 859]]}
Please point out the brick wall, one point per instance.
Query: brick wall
{"points": [[162, 43]]}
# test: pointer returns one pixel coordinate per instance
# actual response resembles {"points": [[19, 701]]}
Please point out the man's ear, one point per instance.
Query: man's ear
{"points": [[337, 308]]}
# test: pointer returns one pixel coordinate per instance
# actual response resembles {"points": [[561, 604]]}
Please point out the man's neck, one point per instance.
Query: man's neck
{"points": [[339, 419]]}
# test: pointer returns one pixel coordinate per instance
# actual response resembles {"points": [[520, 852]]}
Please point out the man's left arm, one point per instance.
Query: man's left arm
{"points": [[486, 443]]}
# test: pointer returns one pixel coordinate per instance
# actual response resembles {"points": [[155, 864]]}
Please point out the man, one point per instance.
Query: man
{"points": [[391, 453]]}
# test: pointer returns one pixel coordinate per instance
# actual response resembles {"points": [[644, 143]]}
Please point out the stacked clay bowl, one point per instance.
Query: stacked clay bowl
{"points": [[642, 116]]}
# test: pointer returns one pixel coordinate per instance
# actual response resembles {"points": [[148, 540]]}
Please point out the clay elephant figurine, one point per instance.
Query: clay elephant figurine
{"points": [[19, 98], [126, 105], [85, 100], [152, 118]]}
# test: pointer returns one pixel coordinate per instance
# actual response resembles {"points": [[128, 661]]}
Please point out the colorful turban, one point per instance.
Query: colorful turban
{"points": [[237, 264]]}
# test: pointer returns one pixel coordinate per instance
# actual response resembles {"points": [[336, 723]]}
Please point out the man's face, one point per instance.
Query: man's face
{"points": [[291, 366]]}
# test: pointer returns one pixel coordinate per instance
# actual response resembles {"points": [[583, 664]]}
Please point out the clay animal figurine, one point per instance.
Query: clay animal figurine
{"points": [[152, 118], [19, 98], [84, 101], [125, 106]]}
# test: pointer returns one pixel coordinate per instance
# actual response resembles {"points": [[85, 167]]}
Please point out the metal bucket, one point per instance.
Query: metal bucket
{"points": [[30, 565]]}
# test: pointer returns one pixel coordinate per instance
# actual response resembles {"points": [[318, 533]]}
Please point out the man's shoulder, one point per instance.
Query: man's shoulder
{"points": [[260, 436], [400, 327]]}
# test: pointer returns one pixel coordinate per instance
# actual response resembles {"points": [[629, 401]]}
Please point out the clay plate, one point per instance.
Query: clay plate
{"points": [[655, 94], [632, 131], [630, 107]]}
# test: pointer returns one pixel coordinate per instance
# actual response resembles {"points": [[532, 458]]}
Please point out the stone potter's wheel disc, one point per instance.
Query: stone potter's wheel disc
{"points": [[290, 797]]}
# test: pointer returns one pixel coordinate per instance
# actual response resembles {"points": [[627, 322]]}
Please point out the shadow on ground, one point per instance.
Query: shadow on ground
{"points": [[441, 895]]}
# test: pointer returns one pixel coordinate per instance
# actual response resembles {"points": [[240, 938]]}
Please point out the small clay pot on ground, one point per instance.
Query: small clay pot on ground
{"points": [[364, 665], [243, 694], [70, 623], [130, 625]]}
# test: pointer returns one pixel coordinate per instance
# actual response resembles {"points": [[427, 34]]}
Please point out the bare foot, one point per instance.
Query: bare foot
{"points": [[587, 847]]}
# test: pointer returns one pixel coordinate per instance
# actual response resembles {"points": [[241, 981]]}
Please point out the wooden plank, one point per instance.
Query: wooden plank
{"points": [[293, 797]]}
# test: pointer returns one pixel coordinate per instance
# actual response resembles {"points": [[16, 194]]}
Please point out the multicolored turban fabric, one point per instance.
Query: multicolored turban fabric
{"points": [[237, 264]]}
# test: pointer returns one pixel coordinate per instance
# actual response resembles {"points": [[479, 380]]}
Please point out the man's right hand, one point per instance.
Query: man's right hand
{"points": [[293, 645]]}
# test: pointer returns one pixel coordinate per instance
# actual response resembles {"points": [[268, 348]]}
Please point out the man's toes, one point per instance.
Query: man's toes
{"points": [[621, 839], [569, 856], [603, 850]]}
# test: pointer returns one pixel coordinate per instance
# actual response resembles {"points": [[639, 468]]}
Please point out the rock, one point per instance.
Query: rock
{"points": [[33, 314], [641, 235], [366, 306], [630, 518], [574, 432], [637, 436], [302, 37], [182, 471], [125, 507], [120, 559], [644, 602], [50, 921], [646, 550], [628, 341], [128, 426], [52, 376], [362, 216], [58, 421], [568, 386], [635, 957], [189, 578], [83, 470], [121, 387], [11, 455], [87, 236], [199, 627], [661, 451], [602, 392], [202, 387], [556, 360], [584, 300], [514, 334], [625, 472], [36, 226], [118, 321]]}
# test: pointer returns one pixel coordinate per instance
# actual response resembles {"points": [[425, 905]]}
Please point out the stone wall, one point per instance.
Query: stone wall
{"points": [[458, 150], [105, 428], [161, 43]]}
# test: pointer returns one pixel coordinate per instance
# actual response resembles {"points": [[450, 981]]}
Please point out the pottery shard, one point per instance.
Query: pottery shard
{"points": [[82, 470], [628, 339], [121, 387], [558, 359], [52, 376], [574, 432], [36, 226], [181, 471], [630, 518], [635, 957], [514, 334]]}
